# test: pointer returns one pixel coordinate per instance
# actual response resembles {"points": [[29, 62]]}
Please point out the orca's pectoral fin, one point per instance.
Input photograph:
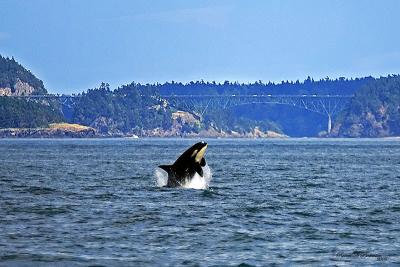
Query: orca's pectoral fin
{"points": [[203, 162], [167, 168], [199, 170]]}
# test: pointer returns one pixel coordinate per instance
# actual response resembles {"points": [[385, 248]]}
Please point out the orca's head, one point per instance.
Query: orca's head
{"points": [[198, 150]]}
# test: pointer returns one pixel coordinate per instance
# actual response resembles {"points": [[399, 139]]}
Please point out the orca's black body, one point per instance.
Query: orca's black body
{"points": [[186, 166]]}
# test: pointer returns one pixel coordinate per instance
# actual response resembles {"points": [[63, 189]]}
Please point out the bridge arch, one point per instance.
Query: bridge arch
{"points": [[326, 105]]}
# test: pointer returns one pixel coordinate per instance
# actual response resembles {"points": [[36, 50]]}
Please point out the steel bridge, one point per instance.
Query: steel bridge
{"points": [[326, 105]]}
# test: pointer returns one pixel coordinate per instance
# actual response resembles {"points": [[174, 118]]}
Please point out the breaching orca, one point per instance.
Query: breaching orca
{"points": [[186, 166]]}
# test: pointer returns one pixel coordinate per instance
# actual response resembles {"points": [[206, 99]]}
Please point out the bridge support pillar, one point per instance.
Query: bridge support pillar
{"points": [[329, 123]]}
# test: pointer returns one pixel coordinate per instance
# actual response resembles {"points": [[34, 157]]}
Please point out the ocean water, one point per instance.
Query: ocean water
{"points": [[296, 201]]}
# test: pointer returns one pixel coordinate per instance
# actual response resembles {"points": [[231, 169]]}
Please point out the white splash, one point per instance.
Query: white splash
{"points": [[161, 177], [197, 182]]}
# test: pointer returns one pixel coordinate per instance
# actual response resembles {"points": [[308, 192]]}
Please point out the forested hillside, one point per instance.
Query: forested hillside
{"points": [[15, 80], [23, 113], [129, 108], [373, 112], [122, 110], [137, 109]]}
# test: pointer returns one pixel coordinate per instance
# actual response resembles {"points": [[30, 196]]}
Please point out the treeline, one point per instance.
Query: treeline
{"points": [[327, 86], [11, 71], [24, 113], [373, 112], [339, 86]]}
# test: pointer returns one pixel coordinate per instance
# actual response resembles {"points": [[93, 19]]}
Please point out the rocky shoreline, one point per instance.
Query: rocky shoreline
{"points": [[88, 132], [45, 133]]}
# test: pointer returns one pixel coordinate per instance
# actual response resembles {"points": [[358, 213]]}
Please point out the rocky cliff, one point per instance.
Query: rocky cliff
{"points": [[20, 88], [15, 80]]}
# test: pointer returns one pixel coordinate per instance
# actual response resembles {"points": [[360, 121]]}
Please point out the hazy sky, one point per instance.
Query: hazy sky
{"points": [[74, 45]]}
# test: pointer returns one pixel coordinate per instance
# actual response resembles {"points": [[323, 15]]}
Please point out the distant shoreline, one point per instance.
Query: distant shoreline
{"points": [[45, 134], [39, 134], [76, 131]]}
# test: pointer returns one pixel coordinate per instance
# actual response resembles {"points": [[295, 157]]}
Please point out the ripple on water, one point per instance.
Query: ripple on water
{"points": [[106, 196], [40, 190]]}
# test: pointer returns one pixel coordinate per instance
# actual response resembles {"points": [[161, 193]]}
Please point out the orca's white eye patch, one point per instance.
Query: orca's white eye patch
{"points": [[194, 153], [200, 155]]}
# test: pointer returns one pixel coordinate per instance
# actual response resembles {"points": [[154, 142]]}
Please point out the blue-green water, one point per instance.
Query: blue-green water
{"points": [[96, 202]]}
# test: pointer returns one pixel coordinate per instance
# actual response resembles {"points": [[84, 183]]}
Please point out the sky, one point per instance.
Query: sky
{"points": [[73, 45]]}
